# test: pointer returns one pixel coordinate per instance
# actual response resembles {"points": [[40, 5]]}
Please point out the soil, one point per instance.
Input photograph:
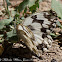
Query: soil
{"points": [[20, 51]]}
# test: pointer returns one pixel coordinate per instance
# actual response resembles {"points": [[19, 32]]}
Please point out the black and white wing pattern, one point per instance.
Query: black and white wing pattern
{"points": [[41, 24], [35, 32]]}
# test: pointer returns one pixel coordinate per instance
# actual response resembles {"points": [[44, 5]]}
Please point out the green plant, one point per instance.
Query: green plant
{"points": [[57, 7], [8, 26]]}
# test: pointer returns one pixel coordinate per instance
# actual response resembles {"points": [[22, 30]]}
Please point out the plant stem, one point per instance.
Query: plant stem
{"points": [[4, 5], [6, 8]]}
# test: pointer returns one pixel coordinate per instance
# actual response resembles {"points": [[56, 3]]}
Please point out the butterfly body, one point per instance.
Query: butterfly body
{"points": [[35, 32]]}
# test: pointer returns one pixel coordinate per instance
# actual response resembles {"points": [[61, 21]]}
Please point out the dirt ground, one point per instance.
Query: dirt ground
{"points": [[55, 54]]}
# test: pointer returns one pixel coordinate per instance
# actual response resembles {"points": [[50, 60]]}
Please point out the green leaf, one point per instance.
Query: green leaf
{"points": [[54, 35], [11, 34], [40, 0], [1, 35], [5, 22], [13, 13], [34, 7], [22, 18], [26, 3], [58, 23], [31, 3], [1, 40], [1, 25], [37, 3], [22, 5], [8, 21], [57, 7], [8, 3], [25, 10], [17, 15]]}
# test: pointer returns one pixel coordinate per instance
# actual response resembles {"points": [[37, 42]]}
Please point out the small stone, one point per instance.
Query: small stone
{"points": [[45, 41], [48, 46], [50, 42], [61, 48], [53, 60], [48, 31], [45, 26], [45, 50]]}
